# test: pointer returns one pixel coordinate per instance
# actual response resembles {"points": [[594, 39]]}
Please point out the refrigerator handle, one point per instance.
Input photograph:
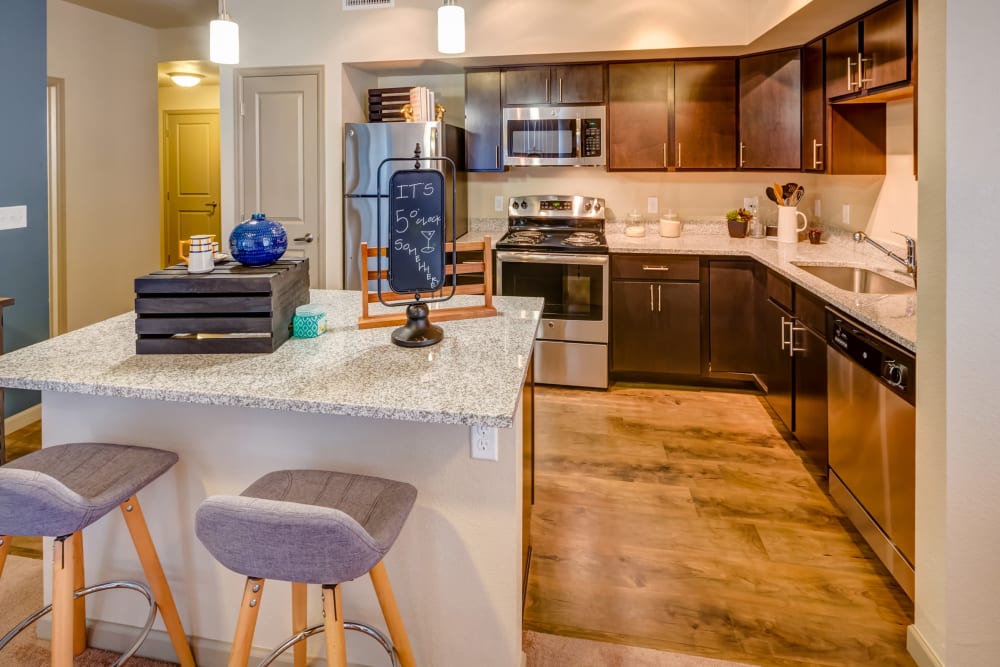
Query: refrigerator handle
{"points": [[434, 141]]}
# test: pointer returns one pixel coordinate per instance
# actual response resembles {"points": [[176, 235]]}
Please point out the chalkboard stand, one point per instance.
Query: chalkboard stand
{"points": [[415, 255]]}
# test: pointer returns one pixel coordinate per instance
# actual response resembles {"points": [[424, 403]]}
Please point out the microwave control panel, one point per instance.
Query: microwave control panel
{"points": [[591, 137]]}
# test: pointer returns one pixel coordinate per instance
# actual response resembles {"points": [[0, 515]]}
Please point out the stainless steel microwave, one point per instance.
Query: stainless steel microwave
{"points": [[554, 136]]}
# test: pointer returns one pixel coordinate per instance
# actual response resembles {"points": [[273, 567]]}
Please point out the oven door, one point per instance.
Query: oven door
{"points": [[575, 289]]}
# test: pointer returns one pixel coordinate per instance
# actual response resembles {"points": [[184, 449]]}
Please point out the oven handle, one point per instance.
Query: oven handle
{"points": [[551, 258]]}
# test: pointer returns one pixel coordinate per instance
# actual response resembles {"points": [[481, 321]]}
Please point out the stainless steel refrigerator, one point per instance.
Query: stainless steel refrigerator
{"points": [[365, 146]]}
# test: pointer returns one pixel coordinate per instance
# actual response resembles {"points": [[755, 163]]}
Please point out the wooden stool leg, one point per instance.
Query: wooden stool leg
{"points": [[64, 553], [80, 604], [157, 580], [299, 613], [5, 541], [243, 641], [336, 646], [387, 600]]}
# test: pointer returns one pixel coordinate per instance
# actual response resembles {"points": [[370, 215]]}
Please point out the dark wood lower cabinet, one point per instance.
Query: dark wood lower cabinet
{"points": [[656, 327], [732, 317], [778, 361], [810, 394]]}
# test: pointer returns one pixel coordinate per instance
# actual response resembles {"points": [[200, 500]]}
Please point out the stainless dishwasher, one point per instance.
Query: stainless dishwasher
{"points": [[872, 427]]}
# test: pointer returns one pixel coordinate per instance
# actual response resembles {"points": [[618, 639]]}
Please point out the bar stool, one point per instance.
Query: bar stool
{"points": [[57, 492], [310, 527]]}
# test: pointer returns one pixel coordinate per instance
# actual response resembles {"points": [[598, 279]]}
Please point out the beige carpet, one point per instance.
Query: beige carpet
{"points": [[21, 594], [554, 651]]}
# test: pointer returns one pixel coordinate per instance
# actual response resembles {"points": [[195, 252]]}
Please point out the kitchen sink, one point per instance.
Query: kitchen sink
{"points": [[858, 280]]}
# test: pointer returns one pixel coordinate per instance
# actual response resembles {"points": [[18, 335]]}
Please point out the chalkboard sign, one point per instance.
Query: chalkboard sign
{"points": [[416, 231]]}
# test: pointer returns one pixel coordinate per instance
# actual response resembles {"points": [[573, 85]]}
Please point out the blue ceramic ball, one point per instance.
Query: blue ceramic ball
{"points": [[258, 241]]}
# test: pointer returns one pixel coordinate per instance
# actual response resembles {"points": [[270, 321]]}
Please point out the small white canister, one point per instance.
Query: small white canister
{"points": [[670, 226]]}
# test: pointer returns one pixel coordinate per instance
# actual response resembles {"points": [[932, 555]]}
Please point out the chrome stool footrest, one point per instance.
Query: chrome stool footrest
{"points": [[317, 629], [83, 592]]}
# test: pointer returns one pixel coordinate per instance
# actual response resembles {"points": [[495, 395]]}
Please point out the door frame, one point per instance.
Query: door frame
{"points": [[240, 74], [165, 172], [55, 92]]}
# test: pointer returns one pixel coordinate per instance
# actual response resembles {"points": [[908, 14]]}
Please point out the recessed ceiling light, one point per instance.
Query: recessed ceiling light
{"points": [[186, 79]]}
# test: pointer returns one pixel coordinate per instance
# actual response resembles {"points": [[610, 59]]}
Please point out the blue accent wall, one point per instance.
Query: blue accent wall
{"points": [[24, 255]]}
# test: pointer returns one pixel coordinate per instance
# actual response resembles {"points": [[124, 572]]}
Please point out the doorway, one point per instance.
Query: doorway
{"points": [[55, 133], [191, 160]]}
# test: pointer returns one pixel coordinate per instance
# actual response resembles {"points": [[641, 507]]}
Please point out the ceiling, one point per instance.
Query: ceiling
{"points": [[157, 13]]}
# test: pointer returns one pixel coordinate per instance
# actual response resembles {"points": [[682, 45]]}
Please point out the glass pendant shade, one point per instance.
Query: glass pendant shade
{"points": [[451, 28], [224, 36]]}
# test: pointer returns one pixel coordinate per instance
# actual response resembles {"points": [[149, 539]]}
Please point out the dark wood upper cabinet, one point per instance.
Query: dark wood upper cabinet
{"points": [[885, 35], [483, 121], [704, 118], [638, 114], [813, 108], [870, 55], [842, 49], [771, 111], [560, 84]]}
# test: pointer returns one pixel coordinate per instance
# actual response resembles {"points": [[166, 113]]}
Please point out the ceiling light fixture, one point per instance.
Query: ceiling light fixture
{"points": [[224, 38], [451, 28], [186, 79]]}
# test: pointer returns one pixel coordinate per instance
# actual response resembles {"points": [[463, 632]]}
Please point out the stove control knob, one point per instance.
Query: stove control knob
{"points": [[587, 206], [597, 207]]}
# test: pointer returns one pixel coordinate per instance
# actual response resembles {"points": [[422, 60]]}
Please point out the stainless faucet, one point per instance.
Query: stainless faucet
{"points": [[911, 252]]}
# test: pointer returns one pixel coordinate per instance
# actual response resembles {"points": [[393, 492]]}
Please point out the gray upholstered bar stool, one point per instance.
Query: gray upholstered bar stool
{"points": [[57, 492], [310, 527]]}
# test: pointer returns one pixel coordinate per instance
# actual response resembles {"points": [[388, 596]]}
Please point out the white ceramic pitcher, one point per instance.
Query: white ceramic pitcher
{"points": [[788, 229]]}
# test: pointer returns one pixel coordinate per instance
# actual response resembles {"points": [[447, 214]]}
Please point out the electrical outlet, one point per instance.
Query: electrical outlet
{"points": [[818, 208], [498, 203], [484, 443], [748, 203], [845, 216], [13, 217], [652, 205]]}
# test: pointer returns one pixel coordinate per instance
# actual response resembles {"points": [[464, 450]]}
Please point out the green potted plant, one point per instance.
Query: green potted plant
{"points": [[738, 220]]}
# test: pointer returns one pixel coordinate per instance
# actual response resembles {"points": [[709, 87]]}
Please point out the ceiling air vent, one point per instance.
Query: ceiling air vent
{"points": [[368, 4]]}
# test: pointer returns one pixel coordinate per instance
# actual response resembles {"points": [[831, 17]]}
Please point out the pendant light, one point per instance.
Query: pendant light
{"points": [[451, 28], [224, 38]]}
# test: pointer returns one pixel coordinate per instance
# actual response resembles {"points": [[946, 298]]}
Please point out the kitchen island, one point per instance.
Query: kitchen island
{"points": [[349, 400]]}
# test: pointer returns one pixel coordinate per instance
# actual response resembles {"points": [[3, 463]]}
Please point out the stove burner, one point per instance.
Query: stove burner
{"points": [[527, 237], [582, 239]]}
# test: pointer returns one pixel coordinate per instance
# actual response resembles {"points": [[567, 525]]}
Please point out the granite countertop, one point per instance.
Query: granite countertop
{"points": [[894, 316], [473, 376]]}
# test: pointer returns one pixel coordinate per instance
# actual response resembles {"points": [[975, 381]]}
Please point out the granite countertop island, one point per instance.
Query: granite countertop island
{"points": [[349, 401], [473, 376]]}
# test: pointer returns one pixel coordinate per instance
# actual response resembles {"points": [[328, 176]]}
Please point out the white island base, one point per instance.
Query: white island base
{"points": [[456, 567]]}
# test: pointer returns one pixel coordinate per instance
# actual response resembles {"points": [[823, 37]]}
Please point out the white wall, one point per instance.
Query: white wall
{"points": [[958, 464], [112, 217]]}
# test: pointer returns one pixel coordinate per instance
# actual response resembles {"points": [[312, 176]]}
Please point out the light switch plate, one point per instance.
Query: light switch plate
{"points": [[818, 208], [652, 205], [498, 203], [13, 217], [845, 214]]}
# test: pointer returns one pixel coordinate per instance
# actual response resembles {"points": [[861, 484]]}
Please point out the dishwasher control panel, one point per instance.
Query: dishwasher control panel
{"points": [[892, 365]]}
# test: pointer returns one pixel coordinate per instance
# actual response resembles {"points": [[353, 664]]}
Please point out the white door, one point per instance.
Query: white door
{"points": [[280, 165]]}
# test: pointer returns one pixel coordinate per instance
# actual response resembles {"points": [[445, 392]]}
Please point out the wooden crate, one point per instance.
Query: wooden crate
{"points": [[235, 309]]}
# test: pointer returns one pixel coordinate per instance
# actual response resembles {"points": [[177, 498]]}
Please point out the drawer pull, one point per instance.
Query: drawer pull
{"points": [[649, 267]]}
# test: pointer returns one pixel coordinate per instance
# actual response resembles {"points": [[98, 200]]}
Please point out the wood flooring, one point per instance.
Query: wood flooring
{"points": [[688, 521], [24, 441]]}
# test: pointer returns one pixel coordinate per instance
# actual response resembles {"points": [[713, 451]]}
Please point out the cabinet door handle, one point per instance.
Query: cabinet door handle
{"points": [[651, 267], [784, 323], [678, 154], [861, 68], [791, 339], [650, 297], [560, 89], [742, 147], [498, 156], [817, 163], [850, 79], [659, 298], [664, 155], [548, 93]]}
